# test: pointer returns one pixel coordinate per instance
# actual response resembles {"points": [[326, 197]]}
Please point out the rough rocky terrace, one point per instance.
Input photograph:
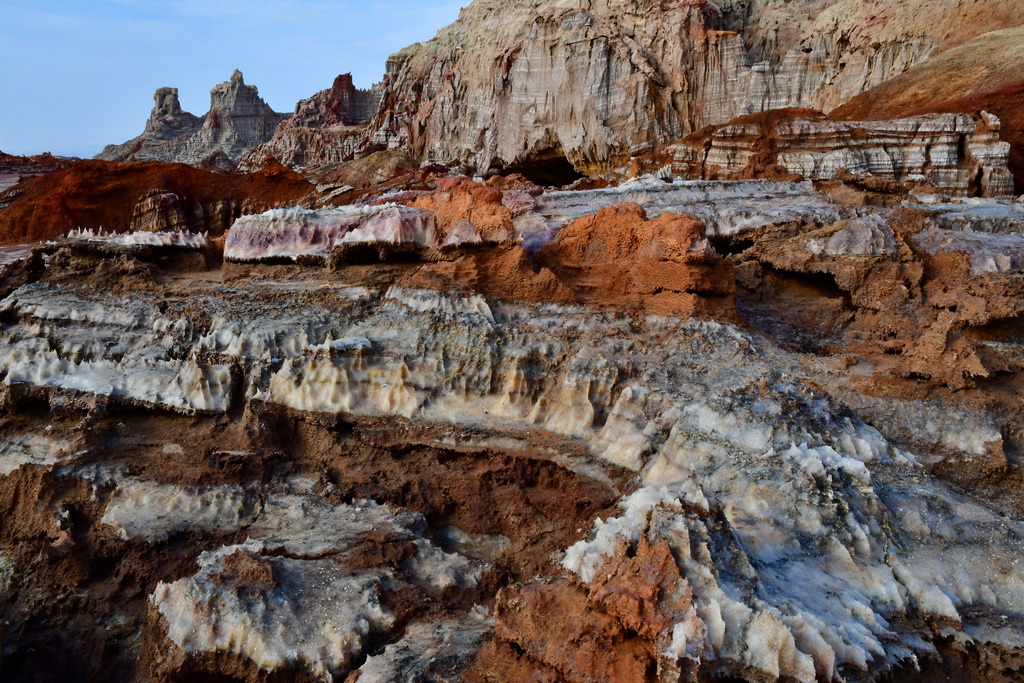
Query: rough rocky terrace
{"points": [[779, 440]]}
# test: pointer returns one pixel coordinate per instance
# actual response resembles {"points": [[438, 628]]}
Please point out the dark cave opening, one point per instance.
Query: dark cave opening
{"points": [[547, 170]]}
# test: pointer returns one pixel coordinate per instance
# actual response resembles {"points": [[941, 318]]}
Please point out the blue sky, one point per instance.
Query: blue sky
{"points": [[77, 75]]}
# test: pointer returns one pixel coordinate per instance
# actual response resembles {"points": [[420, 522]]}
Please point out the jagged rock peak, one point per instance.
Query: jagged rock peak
{"points": [[168, 120], [237, 98], [166, 102], [327, 128], [238, 121], [341, 104]]}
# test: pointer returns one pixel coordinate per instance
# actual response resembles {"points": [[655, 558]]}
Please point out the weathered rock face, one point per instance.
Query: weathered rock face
{"points": [[523, 85], [326, 129], [665, 265], [956, 153], [238, 121]]}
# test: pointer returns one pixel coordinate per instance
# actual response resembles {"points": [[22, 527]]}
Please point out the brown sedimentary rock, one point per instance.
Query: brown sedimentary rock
{"points": [[542, 619], [502, 271], [465, 210], [374, 169], [889, 288], [618, 623], [642, 588], [664, 265]]}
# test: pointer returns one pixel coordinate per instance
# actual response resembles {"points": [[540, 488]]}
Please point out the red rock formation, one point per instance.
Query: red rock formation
{"points": [[31, 165], [617, 624], [119, 197], [503, 271], [907, 298], [665, 265], [466, 209]]}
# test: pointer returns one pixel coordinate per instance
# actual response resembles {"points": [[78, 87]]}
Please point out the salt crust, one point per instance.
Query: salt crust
{"points": [[294, 232], [184, 240], [308, 609], [819, 545]]}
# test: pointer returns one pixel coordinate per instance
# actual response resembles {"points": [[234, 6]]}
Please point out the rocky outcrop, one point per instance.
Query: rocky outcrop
{"points": [[11, 164], [326, 129], [294, 233], [665, 265], [527, 85], [238, 121], [276, 470], [958, 154], [981, 74], [373, 169], [144, 196]]}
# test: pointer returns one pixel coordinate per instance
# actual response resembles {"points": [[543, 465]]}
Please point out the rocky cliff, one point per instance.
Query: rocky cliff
{"points": [[526, 84], [956, 154], [238, 121], [326, 129]]}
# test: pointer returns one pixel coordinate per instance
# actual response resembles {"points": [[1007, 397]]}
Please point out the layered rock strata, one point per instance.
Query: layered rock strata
{"points": [[528, 85], [294, 233], [981, 74], [495, 463], [955, 153], [238, 121]]}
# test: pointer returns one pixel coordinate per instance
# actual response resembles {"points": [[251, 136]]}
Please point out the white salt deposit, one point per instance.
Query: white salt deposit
{"points": [[281, 621], [149, 511], [293, 232], [32, 449], [423, 643], [183, 240]]}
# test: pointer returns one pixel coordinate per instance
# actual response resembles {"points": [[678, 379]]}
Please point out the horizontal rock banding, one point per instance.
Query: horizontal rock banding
{"points": [[956, 153]]}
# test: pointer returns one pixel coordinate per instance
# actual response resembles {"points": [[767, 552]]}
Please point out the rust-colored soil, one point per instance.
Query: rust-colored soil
{"points": [[103, 194], [664, 265]]}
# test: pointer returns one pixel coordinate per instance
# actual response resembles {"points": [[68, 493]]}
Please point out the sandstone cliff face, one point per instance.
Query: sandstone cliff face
{"points": [[522, 84], [327, 128], [956, 153], [238, 121]]}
